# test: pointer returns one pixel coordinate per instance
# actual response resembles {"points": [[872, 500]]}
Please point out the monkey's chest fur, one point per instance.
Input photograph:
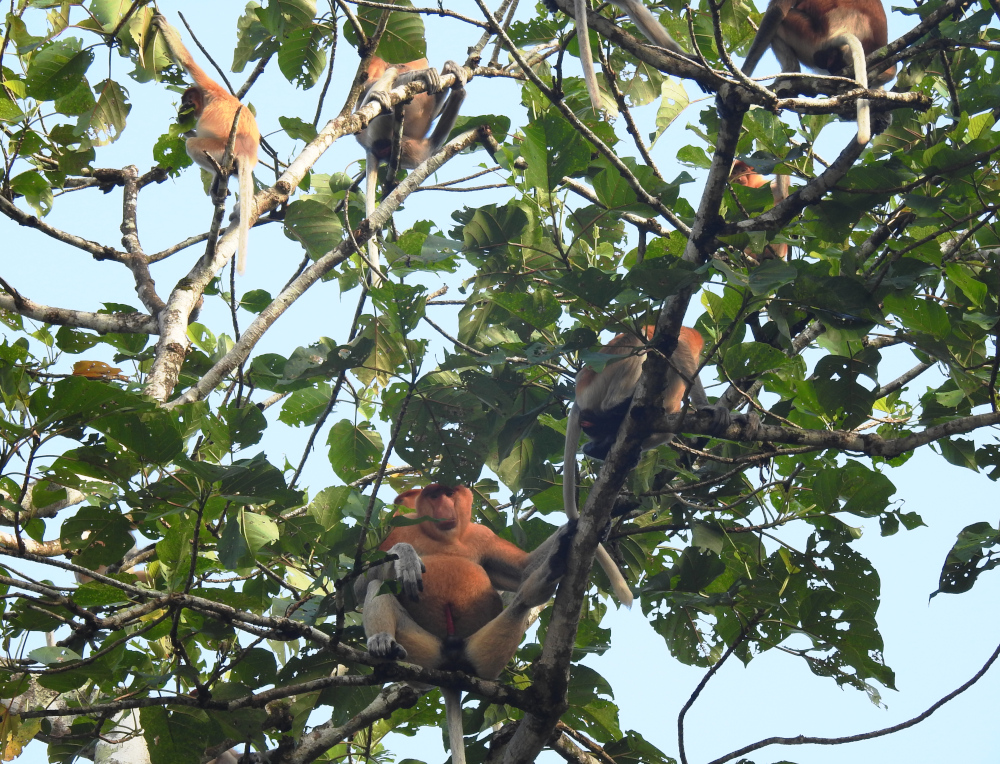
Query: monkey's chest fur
{"points": [[458, 598]]}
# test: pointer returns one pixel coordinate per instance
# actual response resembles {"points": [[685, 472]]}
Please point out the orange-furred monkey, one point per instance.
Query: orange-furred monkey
{"points": [[827, 35], [602, 401], [418, 114], [449, 614], [745, 175], [641, 16], [216, 110]]}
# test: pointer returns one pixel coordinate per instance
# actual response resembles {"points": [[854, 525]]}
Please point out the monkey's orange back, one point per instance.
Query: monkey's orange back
{"points": [[458, 598]]}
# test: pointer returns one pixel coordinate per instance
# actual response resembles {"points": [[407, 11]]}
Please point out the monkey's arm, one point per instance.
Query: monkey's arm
{"points": [[416, 122], [503, 562], [407, 568]]}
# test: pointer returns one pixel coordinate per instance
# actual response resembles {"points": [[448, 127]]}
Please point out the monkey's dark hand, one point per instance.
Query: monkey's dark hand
{"points": [[382, 645], [409, 570], [550, 4], [722, 418]]}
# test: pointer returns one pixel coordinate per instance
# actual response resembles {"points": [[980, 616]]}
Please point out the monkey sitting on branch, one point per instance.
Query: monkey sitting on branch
{"points": [[449, 614]]}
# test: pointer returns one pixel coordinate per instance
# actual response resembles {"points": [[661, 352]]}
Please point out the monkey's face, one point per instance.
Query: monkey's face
{"points": [[450, 508], [744, 175], [191, 105]]}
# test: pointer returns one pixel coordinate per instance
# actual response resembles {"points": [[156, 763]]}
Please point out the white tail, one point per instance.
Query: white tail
{"points": [[453, 714], [586, 56], [618, 583], [371, 188], [861, 75], [245, 173]]}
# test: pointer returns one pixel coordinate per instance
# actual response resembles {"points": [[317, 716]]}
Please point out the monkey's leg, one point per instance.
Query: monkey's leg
{"points": [[765, 37], [392, 633], [788, 59], [492, 647]]}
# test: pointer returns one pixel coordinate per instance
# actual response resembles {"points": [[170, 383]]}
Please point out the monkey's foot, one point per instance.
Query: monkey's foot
{"points": [[451, 67], [382, 645]]}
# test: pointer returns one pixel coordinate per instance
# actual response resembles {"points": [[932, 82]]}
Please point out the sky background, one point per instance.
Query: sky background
{"points": [[933, 645]]}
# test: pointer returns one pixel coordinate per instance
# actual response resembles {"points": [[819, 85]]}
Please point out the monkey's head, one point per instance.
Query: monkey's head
{"points": [[745, 175], [192, 103], [450, 509]]}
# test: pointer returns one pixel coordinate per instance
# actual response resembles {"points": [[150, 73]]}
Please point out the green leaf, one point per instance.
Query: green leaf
{"points": [[355, 450], [976, 550], [314, 226], [57, 69], [302, 57]]}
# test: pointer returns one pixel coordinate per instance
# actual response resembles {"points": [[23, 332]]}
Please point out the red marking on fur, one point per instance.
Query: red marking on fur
{"points": [[449, 621]]}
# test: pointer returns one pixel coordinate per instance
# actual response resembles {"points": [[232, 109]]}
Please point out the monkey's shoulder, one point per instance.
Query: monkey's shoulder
{"points": [[485, 544]]}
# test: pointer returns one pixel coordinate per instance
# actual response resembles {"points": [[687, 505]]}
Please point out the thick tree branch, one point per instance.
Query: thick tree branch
{"points": [[701, 423], [122, 323], [137, 261], [99, 251]]}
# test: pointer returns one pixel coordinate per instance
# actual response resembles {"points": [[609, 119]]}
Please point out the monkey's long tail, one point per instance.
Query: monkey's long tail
{"points": [[371, 188], [245, 172], [861, 75], [650, 27], [453, 713], [618, 583], [586, 56]]}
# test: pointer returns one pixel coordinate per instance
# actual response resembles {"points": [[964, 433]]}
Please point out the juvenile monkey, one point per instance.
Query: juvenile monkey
{"points": [[215, 110], [827, 35], [745, 175], [417, 115], [641, 16], [602, 401], [449, 614]]}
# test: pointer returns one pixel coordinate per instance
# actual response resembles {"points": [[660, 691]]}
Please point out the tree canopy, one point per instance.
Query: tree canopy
{"points": [[175, 584]]}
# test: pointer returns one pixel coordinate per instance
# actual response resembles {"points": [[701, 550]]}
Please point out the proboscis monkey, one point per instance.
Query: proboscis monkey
{"points": [[641, 16], [746, 175], [418, 115], [215, 110], [827, 35], [449, 614], [602, 401]]}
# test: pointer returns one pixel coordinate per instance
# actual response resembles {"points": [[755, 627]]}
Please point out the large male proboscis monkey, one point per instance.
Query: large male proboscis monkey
{"points": [[826, 35], [449, 614], [603, 399], [418, 115], [746, 175], [215, 109], [644, 21]]}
